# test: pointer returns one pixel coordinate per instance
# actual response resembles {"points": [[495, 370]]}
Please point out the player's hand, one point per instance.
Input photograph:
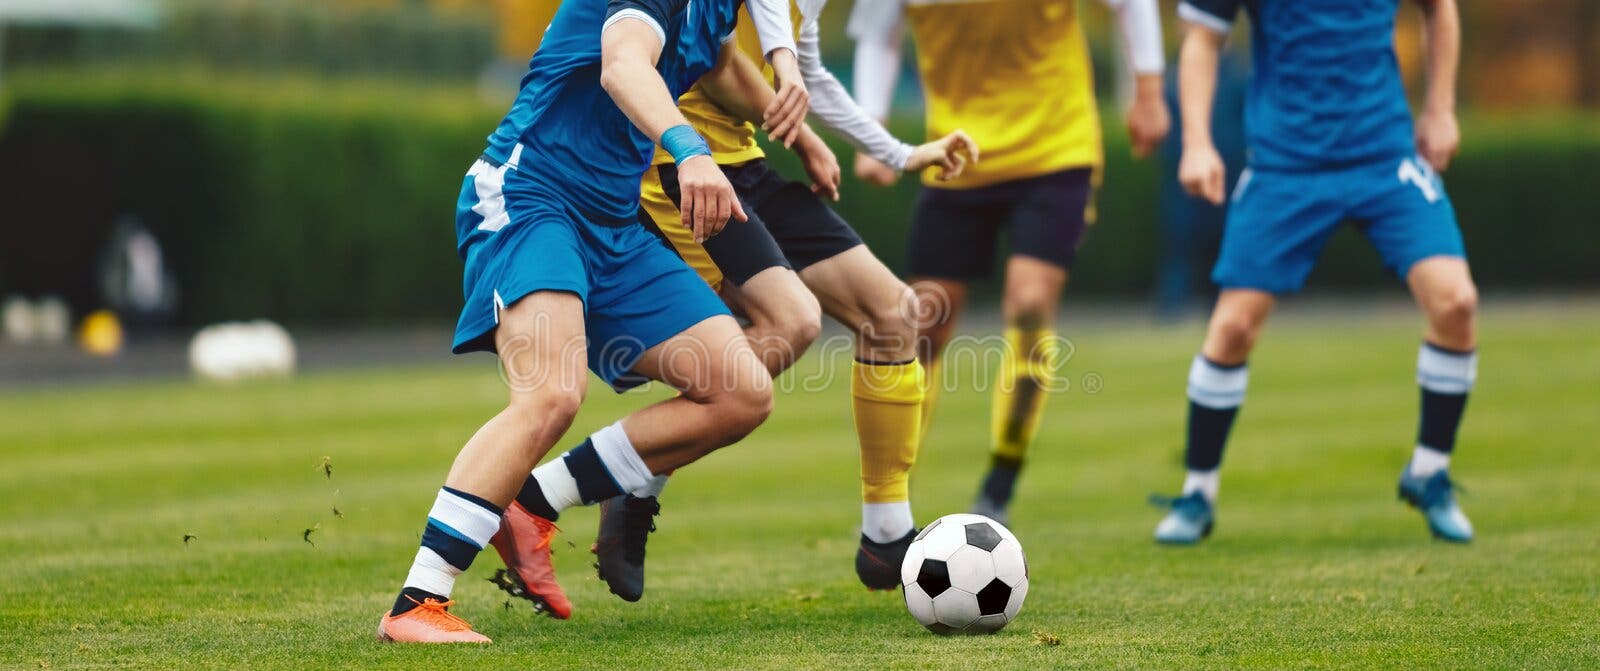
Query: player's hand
{"points": [[1202, 173], [874, 171], [1148, 119], [820, 163], [706, 198], [950, 153], [787, 113], [1438, 138]]}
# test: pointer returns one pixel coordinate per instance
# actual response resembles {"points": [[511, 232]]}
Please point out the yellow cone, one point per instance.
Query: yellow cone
{"points": [[100, 333]]}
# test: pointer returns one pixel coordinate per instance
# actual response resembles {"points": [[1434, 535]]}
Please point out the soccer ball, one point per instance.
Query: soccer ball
{"points": [[964, 574]]}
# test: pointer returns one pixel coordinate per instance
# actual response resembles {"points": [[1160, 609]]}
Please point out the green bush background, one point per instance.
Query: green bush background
{"points": [[301, 201]]}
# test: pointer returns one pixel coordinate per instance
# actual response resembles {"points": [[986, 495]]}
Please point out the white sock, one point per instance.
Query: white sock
{"points": [[620, 459], [654, 488], [1426, 461], [560, 489], [458, 527], [1205, 482], [884, 522]]}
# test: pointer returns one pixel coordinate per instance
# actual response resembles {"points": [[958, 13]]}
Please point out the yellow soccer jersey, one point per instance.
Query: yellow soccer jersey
{"points": [[1015, 74], [732, 141]]}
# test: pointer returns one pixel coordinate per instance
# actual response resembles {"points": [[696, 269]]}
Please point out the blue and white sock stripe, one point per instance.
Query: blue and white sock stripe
{"points": [[623, 462], [1444, 371], [1217, 387], [464, 517]]}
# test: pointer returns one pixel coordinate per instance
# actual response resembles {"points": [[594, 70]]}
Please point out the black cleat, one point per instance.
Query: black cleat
{"points": [[625, 525], [878, 564]]}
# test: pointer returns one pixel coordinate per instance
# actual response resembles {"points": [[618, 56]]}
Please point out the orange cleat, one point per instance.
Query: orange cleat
{"points": [[524, 545], [429, 622]]}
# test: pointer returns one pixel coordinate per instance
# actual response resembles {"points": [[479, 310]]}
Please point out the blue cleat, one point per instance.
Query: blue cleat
{"points": [[1189, 521], [1435, 497]]}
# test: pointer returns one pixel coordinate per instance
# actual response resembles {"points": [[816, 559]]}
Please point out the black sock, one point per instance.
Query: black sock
{"points": [[1001, 482], [1208, 435], [405, 601], [1441, 417], [1446, 377], [532, 498]]}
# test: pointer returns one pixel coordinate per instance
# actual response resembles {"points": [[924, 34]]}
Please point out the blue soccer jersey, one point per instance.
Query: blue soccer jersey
{"points": [[1327, 89], [572, 133]]}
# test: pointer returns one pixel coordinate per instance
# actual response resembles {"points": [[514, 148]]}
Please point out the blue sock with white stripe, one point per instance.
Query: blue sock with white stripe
{"points": [[1446, 377], [1215, 393], [605, 465], [459, 526]]}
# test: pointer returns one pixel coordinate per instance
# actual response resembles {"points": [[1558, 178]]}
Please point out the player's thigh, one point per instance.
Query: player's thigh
{"points": [[954, 232], [542, 346], [857, 289], [784, 316], [1278, 224], [1408, 216], [1048, 221]]}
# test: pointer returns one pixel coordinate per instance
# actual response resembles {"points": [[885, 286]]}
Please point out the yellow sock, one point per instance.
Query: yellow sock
{"points": [[1029, 363], [887, 399], [930, 398]]}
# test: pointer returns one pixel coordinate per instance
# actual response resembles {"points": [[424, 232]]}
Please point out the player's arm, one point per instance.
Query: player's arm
{"points": [[737, 86], [786, 113], [1148, 120], [1438, 135], [878, 28], [630, 44], [1201, 170], [831, 103]]}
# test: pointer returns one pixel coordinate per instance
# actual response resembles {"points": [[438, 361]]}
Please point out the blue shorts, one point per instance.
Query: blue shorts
{"points": [[1279, 221], [517, 237]]}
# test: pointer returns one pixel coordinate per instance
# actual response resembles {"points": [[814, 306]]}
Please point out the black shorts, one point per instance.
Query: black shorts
{"points": [[789, 226], [954, 231]]}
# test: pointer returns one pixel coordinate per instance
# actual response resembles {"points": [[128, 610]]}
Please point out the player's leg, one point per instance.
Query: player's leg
{"points": [[659, 321], [1277, 226], [887, 385], [755, 279], [784, 317], [1412, 223], [951, 243], [532, 260], [540, 339], [1046, 225], [940, 302]]}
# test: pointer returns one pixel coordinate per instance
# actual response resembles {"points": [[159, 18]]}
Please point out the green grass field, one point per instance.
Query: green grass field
{"points": [[1314, 565]]}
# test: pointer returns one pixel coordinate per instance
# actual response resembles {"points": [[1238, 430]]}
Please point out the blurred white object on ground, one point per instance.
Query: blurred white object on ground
{"points": [[242, 350]]}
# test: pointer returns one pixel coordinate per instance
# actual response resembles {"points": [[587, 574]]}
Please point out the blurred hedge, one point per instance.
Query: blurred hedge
{"points": [[299, 202]]}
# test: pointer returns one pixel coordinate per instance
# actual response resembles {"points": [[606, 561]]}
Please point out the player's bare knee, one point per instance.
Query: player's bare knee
{"points": [[799, 329], [743, 409], [1455, 305], [1232, 336], [549, 411], [1028, 309], [887, 327]]}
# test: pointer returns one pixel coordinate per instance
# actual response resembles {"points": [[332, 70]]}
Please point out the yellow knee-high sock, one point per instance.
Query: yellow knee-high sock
{"points": [[1029, 363], [887, 400]]}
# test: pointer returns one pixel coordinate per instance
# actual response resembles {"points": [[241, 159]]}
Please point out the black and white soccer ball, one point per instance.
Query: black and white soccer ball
{"points": [[964, 574]]}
